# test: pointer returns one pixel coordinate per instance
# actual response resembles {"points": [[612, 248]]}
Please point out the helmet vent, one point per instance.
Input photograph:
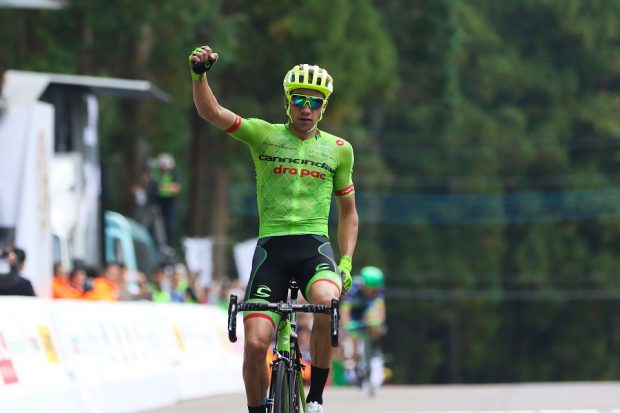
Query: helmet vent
{"points": [[309, 77]]}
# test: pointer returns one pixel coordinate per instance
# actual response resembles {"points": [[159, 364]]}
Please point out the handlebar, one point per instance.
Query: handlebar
{"points": [[283, 308]]}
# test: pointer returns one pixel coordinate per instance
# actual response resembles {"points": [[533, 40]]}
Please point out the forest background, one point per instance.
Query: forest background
{"points": [[487, 145]]}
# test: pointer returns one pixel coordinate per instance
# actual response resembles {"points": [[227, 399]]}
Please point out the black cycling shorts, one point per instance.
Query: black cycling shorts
{"points": [[277, 259]]}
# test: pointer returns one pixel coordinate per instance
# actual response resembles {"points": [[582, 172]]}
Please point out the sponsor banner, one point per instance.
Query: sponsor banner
{"points": [[80, 356], [7, 371], [40, 381], [209, 364]]}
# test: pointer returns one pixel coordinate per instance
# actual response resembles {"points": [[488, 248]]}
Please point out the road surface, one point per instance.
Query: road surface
{"points": [[603, 397]]}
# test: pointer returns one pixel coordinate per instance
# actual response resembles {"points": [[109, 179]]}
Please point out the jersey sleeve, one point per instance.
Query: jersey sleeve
{"points": [[343, 179], [249, 131]]}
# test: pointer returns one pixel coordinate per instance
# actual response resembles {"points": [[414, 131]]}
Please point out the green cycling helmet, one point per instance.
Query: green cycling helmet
{"points": [[372, 276], [308, 77]]}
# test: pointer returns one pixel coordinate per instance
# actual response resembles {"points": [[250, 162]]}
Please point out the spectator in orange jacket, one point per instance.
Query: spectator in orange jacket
{"points": [[77, 281], [60, 283], [106, 287]]}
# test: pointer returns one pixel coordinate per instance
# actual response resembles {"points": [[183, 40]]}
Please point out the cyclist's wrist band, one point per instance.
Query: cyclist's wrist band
{"points": [[198, 77]]}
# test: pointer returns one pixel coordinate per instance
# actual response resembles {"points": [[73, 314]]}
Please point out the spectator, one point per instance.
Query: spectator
{"points": [[146, 210], [230, 287], [144, 293], [106, 287], [127, 286], [8, 267], [166, 193], [13, 282], [77, 281], [143, 192], [182, 290], [160, 284], [59, 281], [218, 291], [212, 293], [92, 272], [137, 290]]}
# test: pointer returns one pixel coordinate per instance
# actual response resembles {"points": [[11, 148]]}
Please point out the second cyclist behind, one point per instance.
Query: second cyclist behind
{"points": [[363, 315]]}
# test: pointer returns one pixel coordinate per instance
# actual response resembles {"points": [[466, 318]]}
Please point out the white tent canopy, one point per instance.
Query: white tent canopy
{"points": [[21, 88], [33, 4]]}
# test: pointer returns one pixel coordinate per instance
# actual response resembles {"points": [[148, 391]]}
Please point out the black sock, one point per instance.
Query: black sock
{"points": [[318, 378], [257, 409]]}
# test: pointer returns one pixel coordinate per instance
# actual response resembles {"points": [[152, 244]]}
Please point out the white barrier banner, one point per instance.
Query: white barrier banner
{"points": [[32, 365], [78, 356]]}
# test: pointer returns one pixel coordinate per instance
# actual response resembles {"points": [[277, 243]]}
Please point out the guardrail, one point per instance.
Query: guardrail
{"points": [[77, 356]]}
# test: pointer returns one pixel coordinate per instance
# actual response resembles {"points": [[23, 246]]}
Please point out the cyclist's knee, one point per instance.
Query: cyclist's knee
{"points": [[255, 347], [258, 336], [324, 286], [323, 290]]}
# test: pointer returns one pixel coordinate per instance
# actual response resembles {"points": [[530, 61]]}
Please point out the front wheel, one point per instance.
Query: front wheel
{"points": [[278, 391], [295, 383]]}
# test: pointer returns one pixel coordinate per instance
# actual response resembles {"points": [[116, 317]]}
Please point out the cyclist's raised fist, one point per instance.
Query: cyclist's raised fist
{"points": [[200, 61]]}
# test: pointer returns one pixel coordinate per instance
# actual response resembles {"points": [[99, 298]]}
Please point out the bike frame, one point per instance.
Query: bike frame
{"points": [[286, 349], [287, 354]]}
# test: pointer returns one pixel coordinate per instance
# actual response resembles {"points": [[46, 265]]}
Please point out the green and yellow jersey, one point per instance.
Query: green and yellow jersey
{"points": [[295, 178]]}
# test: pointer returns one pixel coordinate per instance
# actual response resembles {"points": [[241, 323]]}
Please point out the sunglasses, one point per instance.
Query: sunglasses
{"points": [[313, 102]]}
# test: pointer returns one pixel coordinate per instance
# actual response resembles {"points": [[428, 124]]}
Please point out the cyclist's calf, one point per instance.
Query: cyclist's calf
{"points": [[322, 292], [258, 337]]}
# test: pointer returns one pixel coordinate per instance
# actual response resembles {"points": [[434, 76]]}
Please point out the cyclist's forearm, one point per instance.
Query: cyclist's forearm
{"points": [[347, 233], [348, 223], [208, 107]]}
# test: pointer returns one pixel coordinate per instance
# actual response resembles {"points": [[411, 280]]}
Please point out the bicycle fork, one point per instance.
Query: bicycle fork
{"points": [[288, 357]]}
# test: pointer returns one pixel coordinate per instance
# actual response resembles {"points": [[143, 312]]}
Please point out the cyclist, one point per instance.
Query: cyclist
{"points": [[363, 310], [298, 166]]}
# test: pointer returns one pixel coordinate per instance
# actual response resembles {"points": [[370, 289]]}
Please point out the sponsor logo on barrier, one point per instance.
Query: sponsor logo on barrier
{"points": [[179, 337], [9, 375], [48, 344], [7, 370]]}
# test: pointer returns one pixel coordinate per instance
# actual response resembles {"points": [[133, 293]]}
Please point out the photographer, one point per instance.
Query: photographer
{"points": [[11, 282]]}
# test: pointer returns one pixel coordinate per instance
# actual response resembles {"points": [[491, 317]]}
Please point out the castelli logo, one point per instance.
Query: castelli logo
{"points": [[339, 142]]}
